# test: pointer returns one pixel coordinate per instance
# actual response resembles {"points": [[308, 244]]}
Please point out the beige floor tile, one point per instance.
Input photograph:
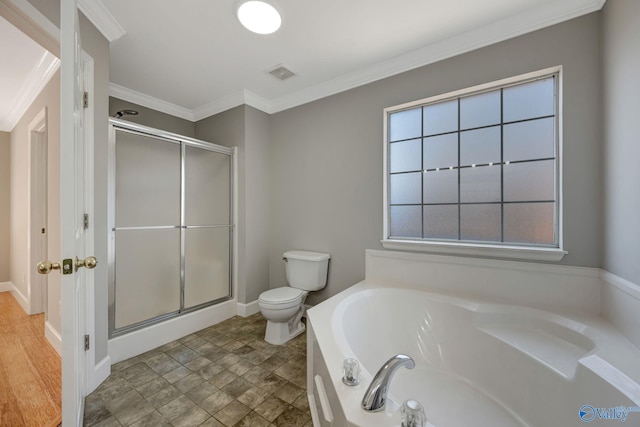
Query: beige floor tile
{"points": [[225, 375], [253, 397], [271, 408], [232, 413]]}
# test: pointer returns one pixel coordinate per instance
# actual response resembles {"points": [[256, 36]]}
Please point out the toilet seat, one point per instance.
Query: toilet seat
{"points": [[281, 298]]}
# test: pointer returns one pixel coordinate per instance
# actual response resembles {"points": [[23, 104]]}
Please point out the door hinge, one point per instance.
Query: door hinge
{"points": [[86, 221], [85, 100], [86, 342]]}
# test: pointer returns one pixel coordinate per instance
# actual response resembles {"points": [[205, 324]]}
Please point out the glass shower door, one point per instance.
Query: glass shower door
{"points": [[207, 226], [147, 228], [171, 223]]}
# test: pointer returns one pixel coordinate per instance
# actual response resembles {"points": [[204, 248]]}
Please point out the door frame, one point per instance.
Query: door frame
{"points": [[37, 207], [34, 24]]}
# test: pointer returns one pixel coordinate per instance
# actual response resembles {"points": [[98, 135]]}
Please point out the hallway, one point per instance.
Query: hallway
{"points": [[30, 369]]}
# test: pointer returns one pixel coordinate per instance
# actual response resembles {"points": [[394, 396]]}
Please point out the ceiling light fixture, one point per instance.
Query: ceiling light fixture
{"points": [[259, 16]]}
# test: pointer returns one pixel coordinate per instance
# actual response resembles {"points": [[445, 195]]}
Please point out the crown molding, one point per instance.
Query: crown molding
{"points": [[219, 105], [37, 79], [496, 32], [257, 102], [139, 98], [102, 19]]}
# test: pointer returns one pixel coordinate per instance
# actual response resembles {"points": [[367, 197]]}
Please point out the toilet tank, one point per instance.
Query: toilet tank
{"points": [[306, 270]]}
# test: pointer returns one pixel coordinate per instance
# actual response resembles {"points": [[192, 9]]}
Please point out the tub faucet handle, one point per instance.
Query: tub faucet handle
{"points": [[351, 371], [413, 414]]}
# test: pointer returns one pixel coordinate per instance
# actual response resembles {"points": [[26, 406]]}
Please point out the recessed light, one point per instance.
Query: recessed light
{"points": [[259, 16]]}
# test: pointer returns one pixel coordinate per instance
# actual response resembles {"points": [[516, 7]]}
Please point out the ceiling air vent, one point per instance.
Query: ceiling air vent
{"points": [[281, 72]]}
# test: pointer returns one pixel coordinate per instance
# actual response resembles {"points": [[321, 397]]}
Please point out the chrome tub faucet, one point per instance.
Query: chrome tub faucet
{"points": [[376, 396]]}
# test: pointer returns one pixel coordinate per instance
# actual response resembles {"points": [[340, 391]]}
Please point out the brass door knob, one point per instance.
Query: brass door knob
{"points": [[45, 267], [89, 262]]}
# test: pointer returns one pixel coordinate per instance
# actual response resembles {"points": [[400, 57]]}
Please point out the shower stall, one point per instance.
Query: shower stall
{"points": [[170, 224]]}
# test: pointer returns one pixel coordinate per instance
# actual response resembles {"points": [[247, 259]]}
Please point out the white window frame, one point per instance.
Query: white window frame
{"points": [[498, 250]]}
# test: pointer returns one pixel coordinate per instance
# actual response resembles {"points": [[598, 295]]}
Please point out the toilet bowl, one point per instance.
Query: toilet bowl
{"points": [[284, 307]]}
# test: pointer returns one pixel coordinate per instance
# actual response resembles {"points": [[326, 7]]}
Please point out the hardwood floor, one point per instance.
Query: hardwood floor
{"points": [[30, 369]]}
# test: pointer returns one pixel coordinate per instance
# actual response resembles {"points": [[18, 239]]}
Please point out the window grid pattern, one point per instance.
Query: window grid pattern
{"points": [[504, 198]]}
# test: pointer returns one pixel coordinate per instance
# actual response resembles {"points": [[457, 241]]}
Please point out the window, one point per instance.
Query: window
{"points": [[476, 167]]}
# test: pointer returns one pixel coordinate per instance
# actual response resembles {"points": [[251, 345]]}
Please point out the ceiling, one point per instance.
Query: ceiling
{"points": [[193, 59], [25, 68]]}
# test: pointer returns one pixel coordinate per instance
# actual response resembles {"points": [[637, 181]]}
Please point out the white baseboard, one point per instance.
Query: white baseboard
{"points": [[19, 296], [6, 286], [101, 372], [140, 341], [621, 305], [246, 310], [54, 337]]}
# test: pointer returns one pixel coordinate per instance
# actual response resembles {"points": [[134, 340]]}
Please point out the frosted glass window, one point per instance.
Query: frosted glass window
{"points": [[480, 222], [529, 181], [529, 100], [480, 184], [480, 146], [207, 187], [440, 117], [441, 151], [147, 181], [441, 222], [405, 124], [480, 156], [530, 140], [405, 156], [406, 188], [206, 275], [147, 275], [529, 223], [480, 110], [406, 221], [440, 186]]}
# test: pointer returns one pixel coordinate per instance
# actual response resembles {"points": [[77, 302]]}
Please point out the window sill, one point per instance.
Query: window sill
{"points": [[470, 249]]}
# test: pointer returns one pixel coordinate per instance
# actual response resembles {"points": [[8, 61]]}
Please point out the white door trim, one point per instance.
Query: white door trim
{"points": [[97, 371], [36, 212]]}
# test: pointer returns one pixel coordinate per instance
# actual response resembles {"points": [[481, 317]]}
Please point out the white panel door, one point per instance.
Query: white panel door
{"points": [[72, 236]]}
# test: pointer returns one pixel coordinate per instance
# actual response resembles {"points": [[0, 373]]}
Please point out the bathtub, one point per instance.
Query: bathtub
{"points": [[478, 363]]}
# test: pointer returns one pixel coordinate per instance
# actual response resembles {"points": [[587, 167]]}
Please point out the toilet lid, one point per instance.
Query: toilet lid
{"points": [[281, 295]]}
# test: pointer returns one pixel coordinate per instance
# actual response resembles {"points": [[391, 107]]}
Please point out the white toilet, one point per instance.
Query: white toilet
{"points": [[283, 307]]}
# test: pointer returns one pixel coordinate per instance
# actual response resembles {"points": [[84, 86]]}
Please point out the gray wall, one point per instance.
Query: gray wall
{"points": [[621, 196], [5, 175], [257, 202], [152, 118], [326, 174], [248, 129]]}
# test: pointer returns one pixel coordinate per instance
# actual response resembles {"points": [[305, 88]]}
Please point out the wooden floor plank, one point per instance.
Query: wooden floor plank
{"points": [[30, 369]]}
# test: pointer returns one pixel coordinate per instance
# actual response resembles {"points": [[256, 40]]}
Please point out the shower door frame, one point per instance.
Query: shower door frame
{"points": [[183, 142]]}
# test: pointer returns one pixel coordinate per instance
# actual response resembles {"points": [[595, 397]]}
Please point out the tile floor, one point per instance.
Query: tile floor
{"points": [[225, 375]]}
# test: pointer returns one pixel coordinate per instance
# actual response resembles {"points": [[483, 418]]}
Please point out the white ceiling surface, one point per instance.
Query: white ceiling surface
{"points": [[194, 58], [25, 68]]}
